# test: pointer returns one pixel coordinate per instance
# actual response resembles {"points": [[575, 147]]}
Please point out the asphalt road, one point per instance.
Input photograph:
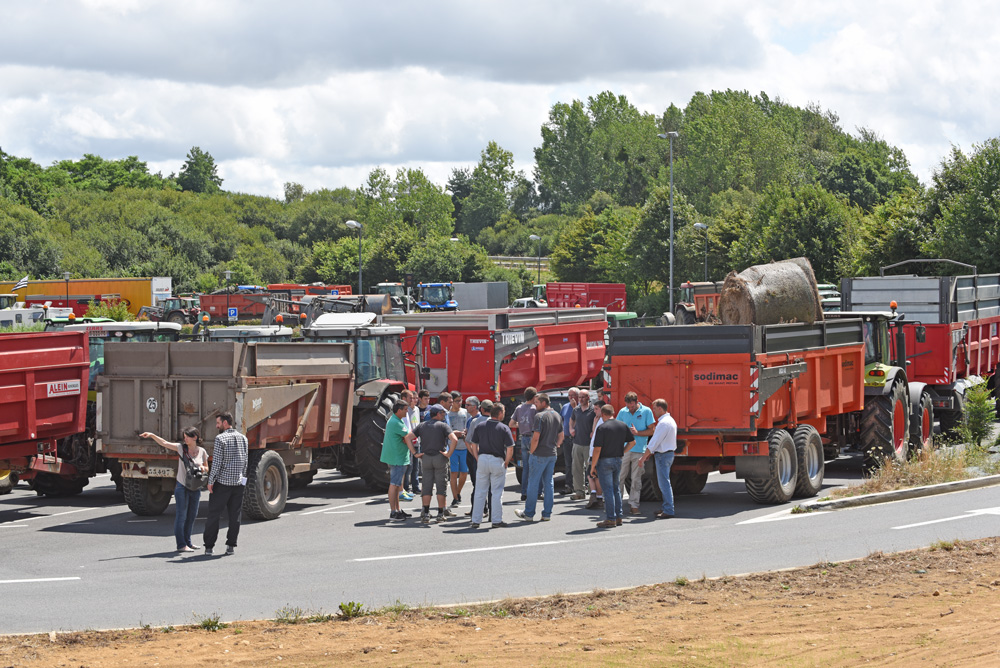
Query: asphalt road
{"points": [[88, 563]]}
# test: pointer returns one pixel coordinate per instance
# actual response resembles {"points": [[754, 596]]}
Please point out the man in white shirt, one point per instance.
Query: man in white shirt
{"points": [[661, 447]]}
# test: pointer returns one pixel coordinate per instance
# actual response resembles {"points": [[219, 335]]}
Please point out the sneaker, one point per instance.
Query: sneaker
{"points": [[403, 515], [399, 517], [208, 552], [440, 518], [527, 518], [593, 503], [663, 516], [500, 525], [618, 522], [230, 549], [457, 500], [393, 515], [524, 497], [578, 496], [474, 525], [425, 518], [405, 496], [607, 524], [447, 512], [546, 518]]}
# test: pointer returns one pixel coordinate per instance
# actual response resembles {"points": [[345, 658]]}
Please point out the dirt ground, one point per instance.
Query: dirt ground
{"points": [[932, 607]]}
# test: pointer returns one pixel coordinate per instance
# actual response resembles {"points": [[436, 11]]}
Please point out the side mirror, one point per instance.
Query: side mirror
{"points": [[921, 334]]}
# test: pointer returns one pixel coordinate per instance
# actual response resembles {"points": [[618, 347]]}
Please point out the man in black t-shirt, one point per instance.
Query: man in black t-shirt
{"points": [[494, 446], [437, 442], [610, 440]]}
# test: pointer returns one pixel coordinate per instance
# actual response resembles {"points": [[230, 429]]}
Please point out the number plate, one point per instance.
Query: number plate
{"points": [[160, 472]]}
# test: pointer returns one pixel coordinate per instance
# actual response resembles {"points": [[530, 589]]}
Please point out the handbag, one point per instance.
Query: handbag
{"points": [[195, 479]]}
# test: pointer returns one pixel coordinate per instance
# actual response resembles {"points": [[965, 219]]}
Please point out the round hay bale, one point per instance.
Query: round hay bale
{"points": [[767, 294]]}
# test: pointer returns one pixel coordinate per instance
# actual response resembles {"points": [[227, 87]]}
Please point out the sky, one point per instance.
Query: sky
{"points": [[320, 92]]}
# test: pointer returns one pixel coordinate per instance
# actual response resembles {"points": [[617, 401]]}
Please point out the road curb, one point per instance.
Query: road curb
{"points": [[902, 494]]}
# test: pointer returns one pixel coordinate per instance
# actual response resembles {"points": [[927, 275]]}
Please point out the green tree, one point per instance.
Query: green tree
{"points": [[199, 173], [492, 185]]}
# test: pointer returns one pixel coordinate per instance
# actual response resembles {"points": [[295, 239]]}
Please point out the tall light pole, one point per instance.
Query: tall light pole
{"points": [[535, 237], [228, 273], [66, 278], [704, 227], [355, 225], [671, 136]]}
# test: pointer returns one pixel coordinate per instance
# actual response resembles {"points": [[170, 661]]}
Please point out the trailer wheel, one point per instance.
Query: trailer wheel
{"points": [[650, 485], [684, 483], [267, 485], [7, 481], [300, 480], [950, 420], [809, 453], [143, 499], [779, 484], [922, 425], [49, 484], [368, 446], [885, 430]]}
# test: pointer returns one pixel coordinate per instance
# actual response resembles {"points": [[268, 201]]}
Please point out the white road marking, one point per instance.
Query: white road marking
{"points": [[328, 509], [136, 521], [777, 517], [37, 580], [467, 551], [338, 512], [968, 514], [13, 526], [43, 517]]}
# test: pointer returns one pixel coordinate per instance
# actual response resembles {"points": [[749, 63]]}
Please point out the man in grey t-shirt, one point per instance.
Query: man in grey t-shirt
{"points": [[581, 426], [546, 435]]}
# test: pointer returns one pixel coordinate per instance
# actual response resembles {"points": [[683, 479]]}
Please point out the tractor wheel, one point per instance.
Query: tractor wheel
{"points": [[144, 498], [50, 484], [267, 485], [922, 425], [7, 481], [809, 453], [177, 317], [885, 429], [685, 483], [368, 445], [779, 483], [300, 480], [683, 316]]}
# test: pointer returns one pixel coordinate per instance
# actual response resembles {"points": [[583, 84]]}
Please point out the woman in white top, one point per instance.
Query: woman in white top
{"points": [[187, 499]]}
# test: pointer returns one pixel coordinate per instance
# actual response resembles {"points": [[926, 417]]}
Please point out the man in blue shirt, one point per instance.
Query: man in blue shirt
{"points": [[641, 423], [567, 443]]}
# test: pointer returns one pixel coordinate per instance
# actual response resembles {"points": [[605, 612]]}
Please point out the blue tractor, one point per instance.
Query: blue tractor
{"points": [[436, 297]]}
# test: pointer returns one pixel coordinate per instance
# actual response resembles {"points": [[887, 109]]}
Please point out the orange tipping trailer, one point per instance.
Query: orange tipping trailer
{"points": [[746, 398]]}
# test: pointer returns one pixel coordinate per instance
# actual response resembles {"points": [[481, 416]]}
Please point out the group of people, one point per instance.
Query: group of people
{"points": [[605, 452]]}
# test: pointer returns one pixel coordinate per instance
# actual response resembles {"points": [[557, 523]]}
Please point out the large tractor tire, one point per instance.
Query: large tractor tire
{"points": [[368, 445], [50, 484], [145, 498], [782, 476], [300, 480], [7, 481], [267, 485], [177, 317], [683, 316], [885, 428], [809, 455], [686, 483], [922, 425]]}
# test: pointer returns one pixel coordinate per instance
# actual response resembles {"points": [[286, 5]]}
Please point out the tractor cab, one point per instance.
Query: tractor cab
{"points": [[436, 297]]}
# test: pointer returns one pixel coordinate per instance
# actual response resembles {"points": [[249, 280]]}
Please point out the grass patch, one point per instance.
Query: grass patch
{"points": [[681, 581], [351, 609], [946, 545], [799, 510], [210, 622]]}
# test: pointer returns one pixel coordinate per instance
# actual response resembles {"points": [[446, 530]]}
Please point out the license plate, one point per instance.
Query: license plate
{"points": [[160, 472]]}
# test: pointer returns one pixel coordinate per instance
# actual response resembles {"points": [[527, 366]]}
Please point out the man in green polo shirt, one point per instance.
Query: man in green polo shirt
{"points": [[396, 453]]}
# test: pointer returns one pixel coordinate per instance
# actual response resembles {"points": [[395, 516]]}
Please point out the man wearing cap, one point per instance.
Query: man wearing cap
{"points": [[524, 420], [437, 442], [396, 452], [459, 467]]}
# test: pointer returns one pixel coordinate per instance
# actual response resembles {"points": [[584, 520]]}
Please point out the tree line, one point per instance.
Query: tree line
{"points": [[767, 180]]}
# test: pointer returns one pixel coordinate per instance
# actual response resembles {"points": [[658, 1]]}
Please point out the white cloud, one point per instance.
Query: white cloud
{"points": [[321, 92]]}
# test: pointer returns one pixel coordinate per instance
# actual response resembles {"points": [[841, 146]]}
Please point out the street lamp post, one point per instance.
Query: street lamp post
{"points": [[671, 136], [535, 237], [355, 225], [66, 278], [228, 273], [704, 227]]}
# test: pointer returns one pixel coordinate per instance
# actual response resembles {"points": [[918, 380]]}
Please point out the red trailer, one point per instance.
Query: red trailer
{"points": [[43, 396], [746, 398], [952, 337], [610, 296], [299, 290], [249, 304], [498, 353]]}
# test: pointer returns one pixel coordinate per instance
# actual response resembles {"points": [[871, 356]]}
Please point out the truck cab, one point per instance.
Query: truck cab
{"points": [[436, 297], [7, 301]]}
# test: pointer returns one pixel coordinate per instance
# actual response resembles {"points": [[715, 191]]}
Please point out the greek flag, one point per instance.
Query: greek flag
{"points": [[23, 283]]}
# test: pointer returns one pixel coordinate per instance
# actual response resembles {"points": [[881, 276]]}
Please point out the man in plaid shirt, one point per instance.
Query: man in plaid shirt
{"points": [[226, 483]]}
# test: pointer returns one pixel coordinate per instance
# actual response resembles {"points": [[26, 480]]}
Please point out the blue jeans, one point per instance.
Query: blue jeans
{"points": [[187, 509], [663, 461], [542, 469], [525, 462], [609, 470], [567, 452]]}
